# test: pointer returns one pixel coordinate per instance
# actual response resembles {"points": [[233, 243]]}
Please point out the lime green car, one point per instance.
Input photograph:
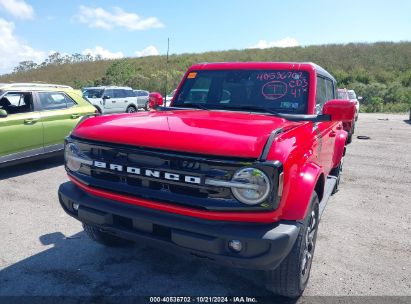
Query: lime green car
{"points": [[35, 119]]}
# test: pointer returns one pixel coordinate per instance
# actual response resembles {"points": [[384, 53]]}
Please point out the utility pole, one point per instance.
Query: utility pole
{"points": [[168, 49]]}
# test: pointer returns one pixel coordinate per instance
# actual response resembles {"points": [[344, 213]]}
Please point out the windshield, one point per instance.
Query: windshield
{"points": [[342, 95], [352, 95], [273, 90], [93, 93]]}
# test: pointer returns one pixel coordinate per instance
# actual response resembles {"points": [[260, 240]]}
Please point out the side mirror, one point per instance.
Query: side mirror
{"points": [[106, 97], [3, 113], [154, 100], [340, 110]]}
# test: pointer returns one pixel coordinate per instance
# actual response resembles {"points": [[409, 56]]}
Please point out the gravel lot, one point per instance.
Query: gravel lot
{"points": [[363, 247]]}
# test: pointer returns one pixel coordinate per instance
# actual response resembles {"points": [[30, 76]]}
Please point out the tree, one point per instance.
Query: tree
{"points": [[119, 73], [25, 66]]}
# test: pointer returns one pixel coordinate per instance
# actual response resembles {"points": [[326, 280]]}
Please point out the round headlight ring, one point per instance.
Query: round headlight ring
{"points": [[252, 176]]}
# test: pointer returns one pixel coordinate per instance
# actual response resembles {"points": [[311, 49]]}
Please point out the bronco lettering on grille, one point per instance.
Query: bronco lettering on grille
{"points": [[149, 172]]}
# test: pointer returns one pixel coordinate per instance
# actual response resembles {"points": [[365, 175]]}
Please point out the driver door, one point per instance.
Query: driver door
{"points": [[21, 132]]}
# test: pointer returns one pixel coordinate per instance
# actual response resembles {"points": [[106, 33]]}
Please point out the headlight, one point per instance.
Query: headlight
{"points": [[74, 158], [251, 177]]}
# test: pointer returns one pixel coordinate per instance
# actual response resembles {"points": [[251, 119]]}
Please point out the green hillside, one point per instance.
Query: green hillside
{"points": [[380, 72]]}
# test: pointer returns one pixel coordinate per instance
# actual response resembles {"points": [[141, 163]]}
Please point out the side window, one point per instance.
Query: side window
{"points": [[321, 96], [108, 92], [329, 90], [130, 93], [119, 93], [55, 100], [17, 102]]}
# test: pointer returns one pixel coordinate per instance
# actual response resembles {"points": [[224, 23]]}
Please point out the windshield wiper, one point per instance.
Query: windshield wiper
{"points": [[191, 105], [252, 108]]}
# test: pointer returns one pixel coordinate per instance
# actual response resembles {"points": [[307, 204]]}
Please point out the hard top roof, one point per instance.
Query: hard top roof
{"points": [[33, 86], [263, 65], [106, 87]]}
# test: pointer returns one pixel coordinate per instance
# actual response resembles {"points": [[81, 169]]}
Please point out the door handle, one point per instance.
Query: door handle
{"points": [[126, 101], [30, 121], [113, 101], [333, 134], [74, 116]]}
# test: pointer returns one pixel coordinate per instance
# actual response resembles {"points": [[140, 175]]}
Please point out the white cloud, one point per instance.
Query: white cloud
{"points": [[100, 18], [13, 50], [105, 54], [151, 50], [18, 8], [285, 42]]}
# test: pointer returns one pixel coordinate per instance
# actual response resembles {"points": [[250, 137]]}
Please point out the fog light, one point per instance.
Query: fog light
{"points": [[75, 206], [235, 245]]}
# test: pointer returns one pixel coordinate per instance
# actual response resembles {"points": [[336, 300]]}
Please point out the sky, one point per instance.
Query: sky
{"points": [[32, 29]]}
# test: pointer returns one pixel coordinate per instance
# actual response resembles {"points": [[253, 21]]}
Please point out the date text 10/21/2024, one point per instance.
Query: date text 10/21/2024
{"points": [[205, 299]]}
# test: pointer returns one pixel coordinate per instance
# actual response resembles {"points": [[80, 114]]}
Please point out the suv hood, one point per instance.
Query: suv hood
{"points": [[224, 133]]}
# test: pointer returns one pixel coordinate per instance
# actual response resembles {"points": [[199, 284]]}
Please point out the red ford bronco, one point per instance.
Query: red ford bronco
{"points": [[237, 170]]}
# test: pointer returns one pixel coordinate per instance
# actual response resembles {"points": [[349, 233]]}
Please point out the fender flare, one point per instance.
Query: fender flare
{"points": [[339, 147], [299, 194]]}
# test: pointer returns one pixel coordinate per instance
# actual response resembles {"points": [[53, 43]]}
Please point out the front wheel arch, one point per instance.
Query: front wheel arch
{"points": [[309, 179]]}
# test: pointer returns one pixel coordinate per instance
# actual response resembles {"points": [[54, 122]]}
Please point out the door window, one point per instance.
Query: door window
{"points": [[55, 100], [17, 102], [109, 93], [129, 93], [321, 96], [120, 93], [330, 92]]}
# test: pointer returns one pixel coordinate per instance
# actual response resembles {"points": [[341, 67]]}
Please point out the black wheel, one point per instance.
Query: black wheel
{"points": [[131, 109], [337, 171], [291, 277], [146, 107], [104, 238]]}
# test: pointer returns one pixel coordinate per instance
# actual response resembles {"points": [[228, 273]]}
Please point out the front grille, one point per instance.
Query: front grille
{"points": [[194, 195]]}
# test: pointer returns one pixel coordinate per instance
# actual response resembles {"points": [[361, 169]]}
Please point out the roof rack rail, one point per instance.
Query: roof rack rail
{"points": [[40, 85]]}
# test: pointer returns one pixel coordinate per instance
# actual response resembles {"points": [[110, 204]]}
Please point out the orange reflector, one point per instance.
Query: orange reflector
{"points": [[192, 75]]}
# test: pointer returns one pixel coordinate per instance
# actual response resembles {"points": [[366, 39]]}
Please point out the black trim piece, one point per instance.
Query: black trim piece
{"points": [[309, 117], [32, 158], [267, 146]]}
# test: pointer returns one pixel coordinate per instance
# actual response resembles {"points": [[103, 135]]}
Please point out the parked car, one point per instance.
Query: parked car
{"points": [[112, 99], [142, 99], [241, 178], [169, 98], [349, 126], [353, 97], [35, 118]]}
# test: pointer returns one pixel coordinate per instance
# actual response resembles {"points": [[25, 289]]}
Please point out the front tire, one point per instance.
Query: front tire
{"points": [[290, 278], [104, 238], [337, 171]]}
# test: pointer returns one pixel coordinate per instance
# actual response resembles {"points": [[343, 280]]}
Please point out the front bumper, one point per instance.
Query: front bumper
{"points": [[264, 245]]}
